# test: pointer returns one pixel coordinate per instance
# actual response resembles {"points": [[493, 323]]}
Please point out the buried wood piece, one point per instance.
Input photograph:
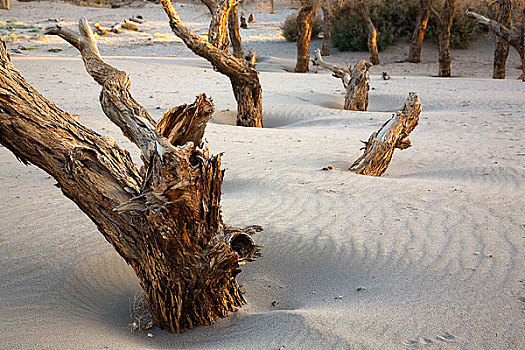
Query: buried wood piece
{"points": [[514, 35], [243, 74], [165, 221], [356, 82], [393, 134]]}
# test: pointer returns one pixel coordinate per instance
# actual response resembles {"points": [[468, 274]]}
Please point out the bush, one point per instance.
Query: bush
{"points": [[395, 20], [289, 27]]}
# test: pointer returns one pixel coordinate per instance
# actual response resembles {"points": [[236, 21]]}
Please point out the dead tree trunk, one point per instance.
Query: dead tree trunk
{"points": [[515, 35], [4, 5], [423, 15], [233, 28], [272, 7], [445, 19], [211, 5], [393, 134], [305, 21], [502, 46], [327, 29], [356, 82], [243, 75], [165, 223], [364, 12]]}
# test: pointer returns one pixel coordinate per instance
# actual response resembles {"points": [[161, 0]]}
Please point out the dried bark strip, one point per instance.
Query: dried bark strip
{"points": [[393, 134], [356, 82], [515, 35], [165, 223], [364, 13], [423, 15], [243, 75], [305, 20]]}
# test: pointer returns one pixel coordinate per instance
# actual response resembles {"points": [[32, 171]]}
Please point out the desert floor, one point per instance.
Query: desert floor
{"points": [[430, 255]]}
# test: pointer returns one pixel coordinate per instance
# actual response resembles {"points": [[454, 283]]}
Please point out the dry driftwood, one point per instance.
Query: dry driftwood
{"points": [[356, 82], [364, 12], [423, 15], [393, 134], [514, 35], [305, 20], [243, 75], [164, 221]]}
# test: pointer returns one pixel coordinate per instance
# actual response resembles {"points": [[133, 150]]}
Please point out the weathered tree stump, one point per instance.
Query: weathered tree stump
{"points": [[243, 22], [243, 74], [501, 51], [305, 20], [355, 81], [393, 134], [364, 12], [164, 221], [423, 15], [514, 35]]}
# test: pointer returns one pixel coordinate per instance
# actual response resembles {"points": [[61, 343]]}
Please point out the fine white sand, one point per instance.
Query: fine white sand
{"points": [[430, 255]]}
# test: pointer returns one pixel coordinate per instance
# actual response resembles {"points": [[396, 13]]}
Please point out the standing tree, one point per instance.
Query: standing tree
{"points": [[423, 15], [165, 220], [242, 73], [445, 17], [327, 27], [514, 35], [305, 21], [364, 12], [4, 5], [501, 52]]}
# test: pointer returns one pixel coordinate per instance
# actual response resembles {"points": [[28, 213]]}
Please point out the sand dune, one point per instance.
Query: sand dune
{"points": [[430, 255]]}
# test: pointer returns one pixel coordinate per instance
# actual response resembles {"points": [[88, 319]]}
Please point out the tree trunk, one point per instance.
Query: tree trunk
{"points": [[241, 72], [165, 223], [364, 13], [514, 35], [502, 46], [305, 21], [393, 134], [4, 5], [423, 15], [272, 7], [445, 23], [356, 82], [327, 30], [211, 5], [233, 28]]}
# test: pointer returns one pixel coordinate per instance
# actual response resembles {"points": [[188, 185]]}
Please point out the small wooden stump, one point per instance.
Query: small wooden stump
{"points": [[393, 134], [355, 81]]}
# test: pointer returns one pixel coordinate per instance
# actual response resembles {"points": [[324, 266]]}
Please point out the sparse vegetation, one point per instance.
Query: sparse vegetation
{"points": [[289, 27]]}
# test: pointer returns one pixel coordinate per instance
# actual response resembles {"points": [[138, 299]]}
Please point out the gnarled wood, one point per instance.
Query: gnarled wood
{"points": [[364, 13], [305, 20], [165, 223], [186, 123], [502, 46], [423, 15], [242, 74], [356, 82], [515, 35], [393, 134]]}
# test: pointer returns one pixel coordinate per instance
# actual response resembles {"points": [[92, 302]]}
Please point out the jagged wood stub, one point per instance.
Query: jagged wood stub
{"points": [[165, 223], [356, 82], [515, 35], [393, 134], [243, 75]]}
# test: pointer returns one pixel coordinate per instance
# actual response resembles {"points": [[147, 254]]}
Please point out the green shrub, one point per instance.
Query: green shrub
{"points": [[289, 27], [394, 20]]}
